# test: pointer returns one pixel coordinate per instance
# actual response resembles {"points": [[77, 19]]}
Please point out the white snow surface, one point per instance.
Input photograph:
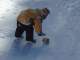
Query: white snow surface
{"points": [[62, 26]]}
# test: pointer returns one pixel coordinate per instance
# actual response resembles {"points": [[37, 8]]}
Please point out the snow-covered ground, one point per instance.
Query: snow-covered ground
{"points": [[62, 27]]}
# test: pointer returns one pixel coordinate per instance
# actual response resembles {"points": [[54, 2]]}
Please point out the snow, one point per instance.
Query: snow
{"points": [[62, 27]]}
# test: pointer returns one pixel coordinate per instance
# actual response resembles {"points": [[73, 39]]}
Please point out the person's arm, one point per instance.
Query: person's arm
{"points": [[38, 26]]}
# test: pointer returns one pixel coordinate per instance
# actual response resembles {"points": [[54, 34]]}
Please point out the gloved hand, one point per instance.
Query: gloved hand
{"points": [[41, 34]]}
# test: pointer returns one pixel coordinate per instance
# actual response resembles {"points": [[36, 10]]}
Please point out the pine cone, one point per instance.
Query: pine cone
{"points": [[46, 40]]}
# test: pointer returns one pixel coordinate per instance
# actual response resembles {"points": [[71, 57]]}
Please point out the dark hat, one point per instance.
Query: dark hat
{"points": [[46, 10]]}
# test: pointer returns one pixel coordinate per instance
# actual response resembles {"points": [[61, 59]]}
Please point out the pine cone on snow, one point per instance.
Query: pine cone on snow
{"points": [[46, 40]]}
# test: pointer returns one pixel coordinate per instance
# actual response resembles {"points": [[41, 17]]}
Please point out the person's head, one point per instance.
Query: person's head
{"points": [[45, 12]]}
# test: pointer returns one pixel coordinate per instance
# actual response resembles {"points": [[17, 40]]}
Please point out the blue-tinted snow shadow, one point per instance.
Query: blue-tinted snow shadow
{"points": [[18, 51]]}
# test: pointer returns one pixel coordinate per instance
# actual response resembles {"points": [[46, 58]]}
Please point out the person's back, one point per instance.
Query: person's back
{"points": [[25, 16]]}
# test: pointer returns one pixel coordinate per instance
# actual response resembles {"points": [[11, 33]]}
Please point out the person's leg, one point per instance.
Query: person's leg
{"points": [[29, 34], [19, 31]]}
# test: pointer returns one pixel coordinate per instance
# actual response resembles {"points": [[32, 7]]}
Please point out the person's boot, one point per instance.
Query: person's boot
{"points": [[19, 38], [33, 41]]}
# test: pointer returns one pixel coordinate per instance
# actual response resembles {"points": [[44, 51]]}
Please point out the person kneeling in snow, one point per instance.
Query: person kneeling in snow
{"points": [[31, 19]]}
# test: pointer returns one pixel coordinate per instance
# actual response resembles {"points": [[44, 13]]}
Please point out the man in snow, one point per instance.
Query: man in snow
{"points": [[31, 19]]}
